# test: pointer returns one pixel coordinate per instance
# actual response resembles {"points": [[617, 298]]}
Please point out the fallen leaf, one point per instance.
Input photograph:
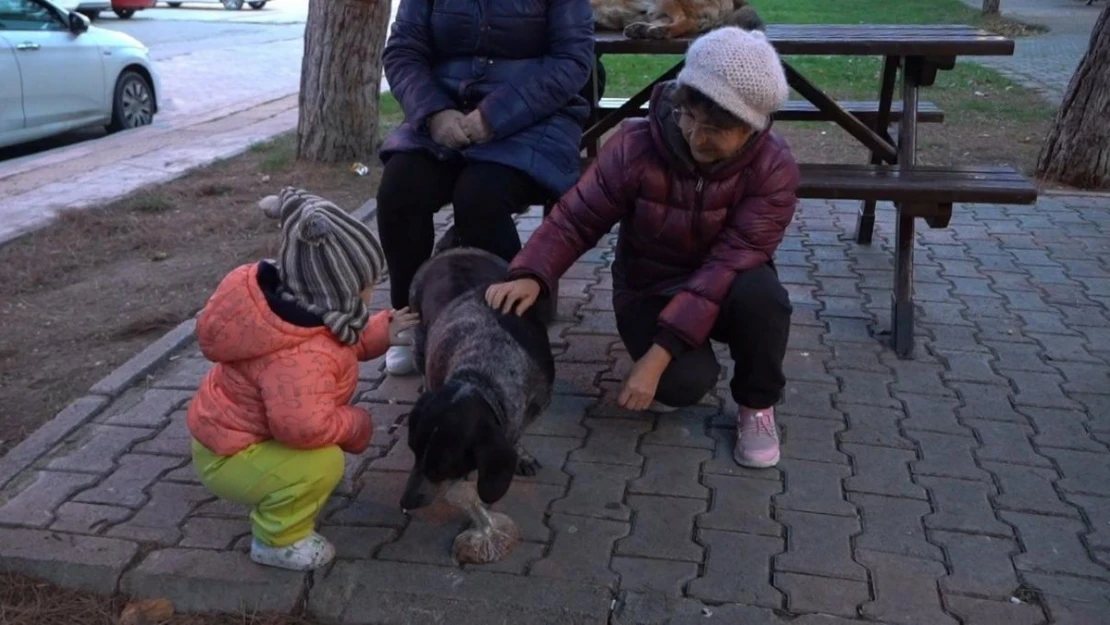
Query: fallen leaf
{"points": [[147, 612]]}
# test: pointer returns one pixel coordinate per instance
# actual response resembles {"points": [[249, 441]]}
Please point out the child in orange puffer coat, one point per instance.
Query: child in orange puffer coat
{"points": [[272, 418]]}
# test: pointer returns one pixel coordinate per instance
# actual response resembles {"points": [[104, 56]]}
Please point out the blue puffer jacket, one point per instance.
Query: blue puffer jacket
{"points": [[521, 62]]}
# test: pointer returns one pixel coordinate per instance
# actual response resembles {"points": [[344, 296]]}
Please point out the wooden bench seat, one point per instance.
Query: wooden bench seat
{"points": [[802, 111]]}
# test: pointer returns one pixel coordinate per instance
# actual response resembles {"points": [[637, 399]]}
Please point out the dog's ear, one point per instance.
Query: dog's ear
{"points": [[497, 459]]}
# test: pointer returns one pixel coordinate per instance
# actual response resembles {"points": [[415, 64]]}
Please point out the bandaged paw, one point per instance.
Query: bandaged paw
{"points": [[491, 535]]}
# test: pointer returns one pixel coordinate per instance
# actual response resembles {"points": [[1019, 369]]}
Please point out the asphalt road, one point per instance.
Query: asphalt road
{"points": [[209, 58]]}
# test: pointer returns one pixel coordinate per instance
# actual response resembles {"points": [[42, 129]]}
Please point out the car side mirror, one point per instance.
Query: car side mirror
{"points": [[78, 23]]}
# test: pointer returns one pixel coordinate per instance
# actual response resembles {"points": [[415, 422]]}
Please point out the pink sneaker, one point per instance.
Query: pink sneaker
{"points": [[757, 439]]}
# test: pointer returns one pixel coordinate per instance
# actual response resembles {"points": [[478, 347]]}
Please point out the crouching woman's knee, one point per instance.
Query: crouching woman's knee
{"points": [[758, 292], [688, 378]]}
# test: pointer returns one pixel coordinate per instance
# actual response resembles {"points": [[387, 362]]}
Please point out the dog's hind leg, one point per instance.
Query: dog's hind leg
{"points": [[526, 463]]}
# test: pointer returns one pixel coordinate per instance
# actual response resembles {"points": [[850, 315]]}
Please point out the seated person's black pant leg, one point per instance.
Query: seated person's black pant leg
{"points": [[415, 185], [755, 324]]}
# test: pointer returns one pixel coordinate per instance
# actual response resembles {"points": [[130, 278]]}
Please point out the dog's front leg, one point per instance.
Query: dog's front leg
{"points": [[526, 463]]}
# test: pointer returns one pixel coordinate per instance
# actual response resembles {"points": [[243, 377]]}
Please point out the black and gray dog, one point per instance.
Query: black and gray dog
{"points": [[486, 377]]}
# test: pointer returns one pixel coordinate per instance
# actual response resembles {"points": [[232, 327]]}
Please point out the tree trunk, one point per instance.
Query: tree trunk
{"points": [[1077, 150], [990, 7], [340, 79]]}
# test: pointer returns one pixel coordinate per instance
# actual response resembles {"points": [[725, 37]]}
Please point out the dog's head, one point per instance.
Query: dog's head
{"points": [[453, 432]]}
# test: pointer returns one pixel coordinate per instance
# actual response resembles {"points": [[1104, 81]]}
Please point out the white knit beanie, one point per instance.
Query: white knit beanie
{"points": [[740, 71], [327, 258]]}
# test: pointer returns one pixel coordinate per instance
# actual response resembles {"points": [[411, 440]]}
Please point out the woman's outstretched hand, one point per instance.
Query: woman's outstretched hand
{"points": [[446, 129], [639, 388], [514, 297]]}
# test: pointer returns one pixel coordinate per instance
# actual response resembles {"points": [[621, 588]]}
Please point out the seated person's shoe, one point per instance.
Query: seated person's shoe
{"points": [[307, 554], [399, 360], [757, 439]]}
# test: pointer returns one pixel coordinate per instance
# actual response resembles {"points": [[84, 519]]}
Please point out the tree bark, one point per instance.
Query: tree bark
{"points": [[1077, 150], [990, 7], [340, 80]]}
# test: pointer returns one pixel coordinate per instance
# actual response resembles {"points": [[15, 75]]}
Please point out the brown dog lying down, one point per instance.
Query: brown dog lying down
{"points": [[672, 19]]}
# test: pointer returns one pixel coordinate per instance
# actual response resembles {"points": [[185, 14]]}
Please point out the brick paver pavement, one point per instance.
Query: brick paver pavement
{"points": [[970, 485]]}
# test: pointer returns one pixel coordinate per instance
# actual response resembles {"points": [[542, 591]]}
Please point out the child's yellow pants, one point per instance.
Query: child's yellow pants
{"points": [[287, 487]]}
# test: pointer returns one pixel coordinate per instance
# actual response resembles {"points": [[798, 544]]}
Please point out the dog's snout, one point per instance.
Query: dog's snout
{"points": [[418, 492]]}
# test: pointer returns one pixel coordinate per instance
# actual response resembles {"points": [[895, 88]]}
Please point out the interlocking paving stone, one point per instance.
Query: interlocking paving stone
{"points": [[811, 439], [369, 592], [962, 506], [209, 533], [198, 580], [86, 518], [1082, 472], [581, 550], [95, 449], [31, 501], [741, 504], [945, 455], [1052, 545], [126, 486], [1044, 390], [986, 402], [562, 418], [894, 525], [1028, 489], [152, 409], [671, 471], [378, 502], [973, 367], [862, 356], [89, 563], [1072, 600], [814, 487], [1065, 429], [173, 440], [1097, 510], [526, 503], [819, 544], [882, 471], [985, 612], [159, 520], [398, 389], [684, 428], [1019, 357], [738, 569], [905, 590], [827, 595], [932, 414], [429, 537], [872, 425], [861, 387], [612, 441], [663, 528], [1006, 442], [552, 453], [597, 490], [661, 576], [183, 374], [579, 379], [981, 565], [808, 399]]}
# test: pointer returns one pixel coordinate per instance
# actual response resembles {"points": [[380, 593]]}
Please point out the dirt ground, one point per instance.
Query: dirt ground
{"points": [[26, 601]]}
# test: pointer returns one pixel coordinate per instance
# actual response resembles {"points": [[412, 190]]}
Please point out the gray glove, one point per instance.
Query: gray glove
{"points": [[446, 129]]}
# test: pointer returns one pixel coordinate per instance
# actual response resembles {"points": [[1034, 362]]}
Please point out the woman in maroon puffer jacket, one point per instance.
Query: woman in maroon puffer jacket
{"points": [[703, 191]]}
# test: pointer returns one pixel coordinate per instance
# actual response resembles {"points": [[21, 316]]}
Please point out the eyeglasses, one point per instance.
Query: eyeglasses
{"points": [[684, 119]]}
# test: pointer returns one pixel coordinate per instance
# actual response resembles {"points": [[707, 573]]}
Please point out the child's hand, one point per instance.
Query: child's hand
{"points": [[400, 321], [513, 297]]}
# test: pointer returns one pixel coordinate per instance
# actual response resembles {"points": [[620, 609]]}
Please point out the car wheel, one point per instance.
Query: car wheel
{"points": [[233, 5], [124, 14], [257, 5], [133, 104], [174, 5]]}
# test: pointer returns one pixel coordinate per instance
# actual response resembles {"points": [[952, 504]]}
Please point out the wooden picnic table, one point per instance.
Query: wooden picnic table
{"points": [[918, 52]]}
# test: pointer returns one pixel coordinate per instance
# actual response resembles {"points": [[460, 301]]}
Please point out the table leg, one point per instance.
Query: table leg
{"points": [[865, 223], [902, 312]]}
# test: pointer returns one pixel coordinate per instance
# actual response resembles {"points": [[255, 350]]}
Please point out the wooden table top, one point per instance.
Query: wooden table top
{"points": [[950, 40]]}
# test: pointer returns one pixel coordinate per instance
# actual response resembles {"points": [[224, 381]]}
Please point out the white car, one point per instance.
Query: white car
{"points": [[58, 73]]}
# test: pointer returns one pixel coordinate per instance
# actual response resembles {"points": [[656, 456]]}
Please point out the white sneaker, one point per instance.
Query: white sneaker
{"points": [[399, 360], [311, 552]]}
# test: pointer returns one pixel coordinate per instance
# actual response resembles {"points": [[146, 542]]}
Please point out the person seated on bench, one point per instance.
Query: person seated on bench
{"points": [[493, 119], [704, 192]]}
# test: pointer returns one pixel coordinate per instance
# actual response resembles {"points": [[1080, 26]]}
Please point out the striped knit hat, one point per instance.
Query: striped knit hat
{"points": [[327, 259]]}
